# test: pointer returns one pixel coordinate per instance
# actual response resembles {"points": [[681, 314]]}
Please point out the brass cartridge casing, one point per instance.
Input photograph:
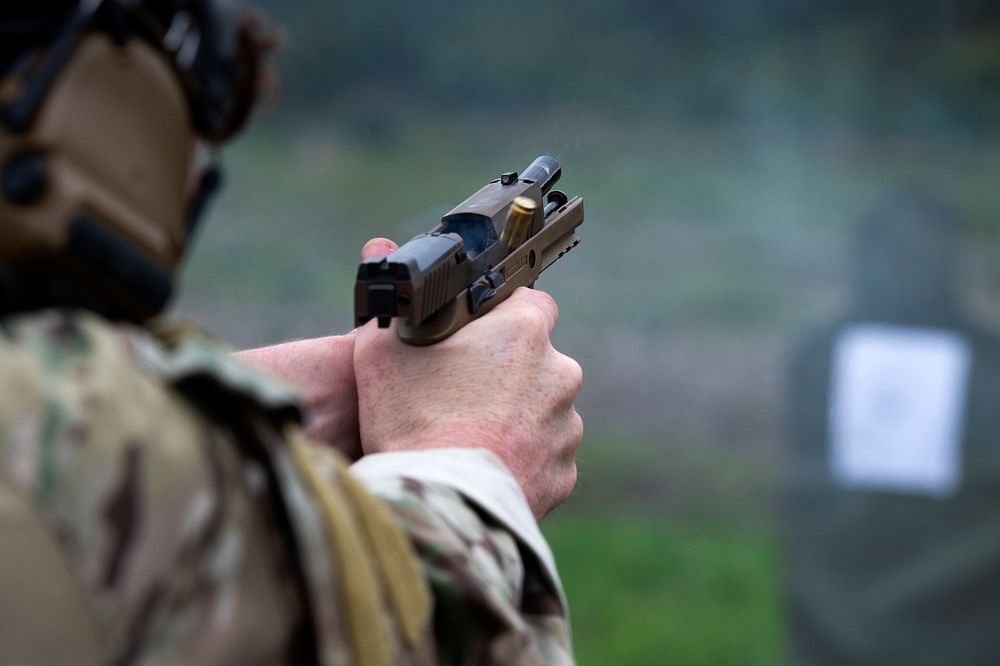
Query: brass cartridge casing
{"points": [[519, 219]]}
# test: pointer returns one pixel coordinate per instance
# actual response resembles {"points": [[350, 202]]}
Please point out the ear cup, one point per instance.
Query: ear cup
{"points": [[97, 185]]}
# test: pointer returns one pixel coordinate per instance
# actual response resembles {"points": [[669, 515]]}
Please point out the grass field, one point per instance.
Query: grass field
{"points": [[645, 592]]}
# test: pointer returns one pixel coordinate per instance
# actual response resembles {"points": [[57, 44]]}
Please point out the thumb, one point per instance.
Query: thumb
{"points": [[377, 247]]}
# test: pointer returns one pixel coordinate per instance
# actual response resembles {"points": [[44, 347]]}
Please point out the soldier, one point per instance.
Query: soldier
{"points": [[159, 502]]}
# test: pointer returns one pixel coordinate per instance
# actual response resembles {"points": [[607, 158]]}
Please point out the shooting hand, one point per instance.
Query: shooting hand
{"points": [[496, 384]]}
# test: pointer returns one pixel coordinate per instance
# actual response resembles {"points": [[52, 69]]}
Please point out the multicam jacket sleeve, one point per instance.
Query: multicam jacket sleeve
{"points": [[498, 595], [167, 482]]}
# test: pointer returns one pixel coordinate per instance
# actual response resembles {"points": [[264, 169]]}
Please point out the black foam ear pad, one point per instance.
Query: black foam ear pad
{"points": [[7, 289], [114, 260]]}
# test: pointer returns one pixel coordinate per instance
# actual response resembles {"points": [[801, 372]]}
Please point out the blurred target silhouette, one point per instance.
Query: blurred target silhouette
{"points": [[895, 469]]}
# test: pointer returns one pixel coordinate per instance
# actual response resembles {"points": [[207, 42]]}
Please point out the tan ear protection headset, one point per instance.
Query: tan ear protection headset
{"points": [[98, 138]]}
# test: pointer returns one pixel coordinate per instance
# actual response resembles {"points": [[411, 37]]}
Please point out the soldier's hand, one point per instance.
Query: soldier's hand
{"points": [[322, 369], [496, 384]]}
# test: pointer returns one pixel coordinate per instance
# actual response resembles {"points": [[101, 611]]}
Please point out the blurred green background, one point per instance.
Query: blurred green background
{"points": [[725, 150]]}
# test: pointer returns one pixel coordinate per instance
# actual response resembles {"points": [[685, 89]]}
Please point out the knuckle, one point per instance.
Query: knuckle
{"points": [[530, 320], [535, 316], [545, 301], [575, 374], [568, 482], [570, 371], [577, 429], [540, 300]]}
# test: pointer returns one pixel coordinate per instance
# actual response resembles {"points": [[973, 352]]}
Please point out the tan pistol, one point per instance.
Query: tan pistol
{"points": [[499, 239]]}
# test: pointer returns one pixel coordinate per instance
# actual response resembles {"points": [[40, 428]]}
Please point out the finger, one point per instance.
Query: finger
{"points": [[538, 300], [378, 247]]}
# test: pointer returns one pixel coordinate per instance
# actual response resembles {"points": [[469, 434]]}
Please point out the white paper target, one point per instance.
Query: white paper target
{"points": [[896, 410]]}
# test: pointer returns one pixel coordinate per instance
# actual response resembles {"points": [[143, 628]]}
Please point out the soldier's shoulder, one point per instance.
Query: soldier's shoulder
{"points": [[43, 354], [111, 440], [71, 381], [45, 349]]}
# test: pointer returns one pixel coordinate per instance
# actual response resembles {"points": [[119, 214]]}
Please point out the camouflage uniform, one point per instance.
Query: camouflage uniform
{"points": [[159, 506]]}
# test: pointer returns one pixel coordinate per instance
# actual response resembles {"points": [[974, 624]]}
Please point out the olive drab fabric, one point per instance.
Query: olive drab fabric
{"points": [[166, 485]]}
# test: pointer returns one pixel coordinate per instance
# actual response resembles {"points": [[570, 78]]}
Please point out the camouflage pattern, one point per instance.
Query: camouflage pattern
{"points": [[493, 604], [185, 505]]}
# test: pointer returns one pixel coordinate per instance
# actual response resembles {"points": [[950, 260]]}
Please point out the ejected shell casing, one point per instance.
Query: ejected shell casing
{"points": [[519, 219]]}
